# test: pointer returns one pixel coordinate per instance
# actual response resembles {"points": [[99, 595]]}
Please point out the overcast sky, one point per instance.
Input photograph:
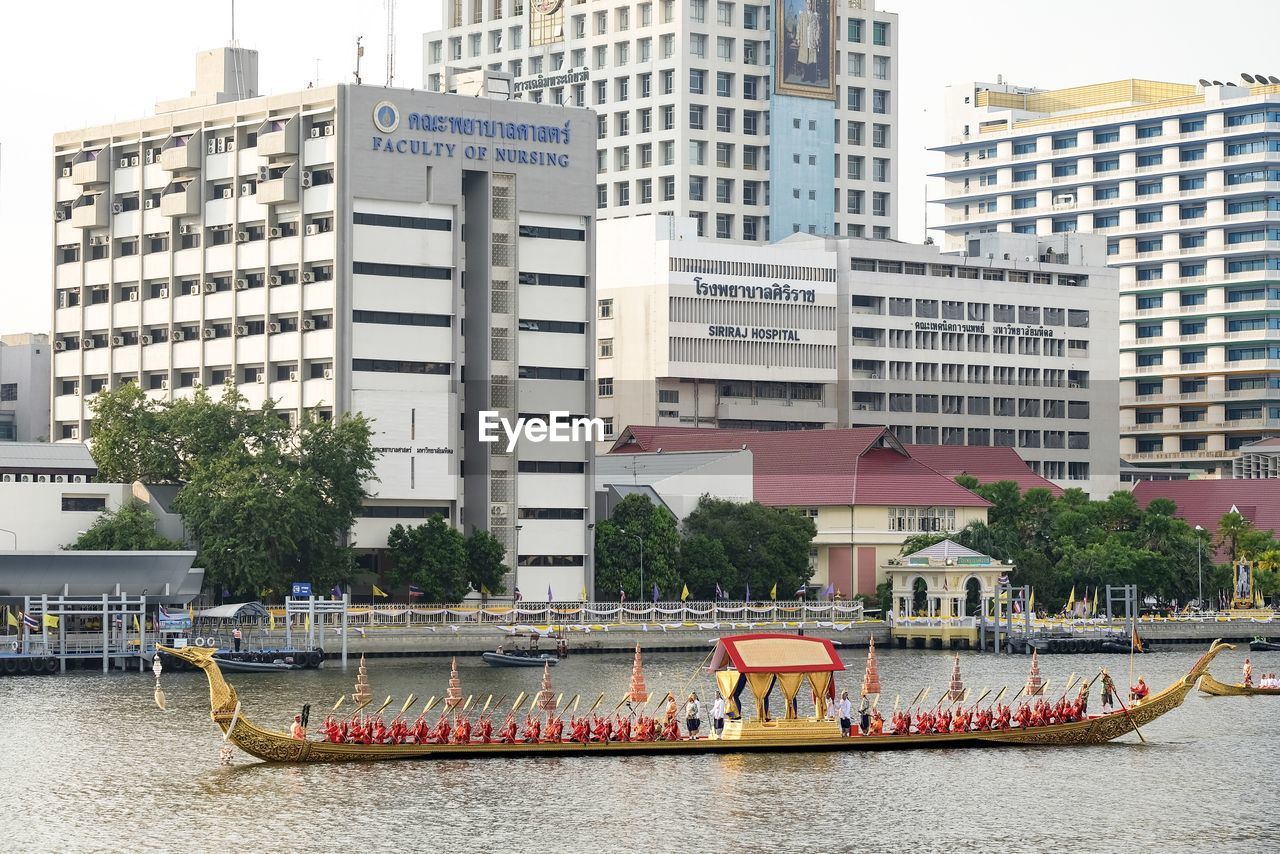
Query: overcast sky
{"points": [[102, 67]]}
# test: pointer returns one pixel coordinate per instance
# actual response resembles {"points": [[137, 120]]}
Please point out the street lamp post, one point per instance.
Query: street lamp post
{"points": [[640, 540], [515, 568], [1199, 573]]}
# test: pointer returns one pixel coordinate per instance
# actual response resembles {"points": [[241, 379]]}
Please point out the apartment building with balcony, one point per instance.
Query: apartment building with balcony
{"points": [[1183, 180], [311, 249], [708, 108]]}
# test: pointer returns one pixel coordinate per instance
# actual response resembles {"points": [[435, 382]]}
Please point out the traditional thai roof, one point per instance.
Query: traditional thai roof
{"points": [[1205, 502], [799, 468], [773, 653], [947, 549], [986, 464]]}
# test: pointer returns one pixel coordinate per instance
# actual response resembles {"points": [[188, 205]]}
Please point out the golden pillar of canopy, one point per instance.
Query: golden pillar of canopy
{"points": [[821, 682], [790, 683], [727, 682]]}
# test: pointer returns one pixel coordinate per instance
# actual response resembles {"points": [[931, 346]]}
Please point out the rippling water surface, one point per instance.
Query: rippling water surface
{"points": [[89, 763]]}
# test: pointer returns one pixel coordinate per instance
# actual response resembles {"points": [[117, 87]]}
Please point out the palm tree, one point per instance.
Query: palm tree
{"points": [[1230, 528]]}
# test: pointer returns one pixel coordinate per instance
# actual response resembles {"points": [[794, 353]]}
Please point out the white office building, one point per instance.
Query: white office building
{"points": [[310, 248], [1184, 182], [1009, 344], [758, 120], [25, 361]]}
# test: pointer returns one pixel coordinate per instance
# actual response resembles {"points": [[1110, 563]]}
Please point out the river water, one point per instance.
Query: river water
{"points": [[89, 763]]}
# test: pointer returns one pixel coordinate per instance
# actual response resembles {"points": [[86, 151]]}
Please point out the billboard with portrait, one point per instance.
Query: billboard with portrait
{"points": [[804, 58]]}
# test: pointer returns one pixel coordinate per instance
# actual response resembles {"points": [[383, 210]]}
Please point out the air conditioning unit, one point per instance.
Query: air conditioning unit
{"points": [[246, 189], [77, 478], [328, 129], [59, 215], [312, 229], [148, 204], [208, 333], [66, 171], [264, 173], [75, 432], [164, 293], [87, 343], [150, 156], [164, 383], [176, 335], [212, 147], [117, 208], [328, 373], [273, 328], [293, 376], [242, 284], [186, 229], [133, 295], [209, 288], [307, 277], [273, 232], [6, 478], [117, 340], [124, 163], [42, 478], [228, 193], [273, 280], [98, 241], [133, 161], [26, 478], [222, 145], [59, 346], [306, 178], [260, 377], [242, 237], [242, 330], [315, 131], [308, 325], [59, 478], [145, 340]]}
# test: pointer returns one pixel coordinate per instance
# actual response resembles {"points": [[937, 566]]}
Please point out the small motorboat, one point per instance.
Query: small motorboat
{"points": [[262, 664], [527, 654], [1264, 645]]}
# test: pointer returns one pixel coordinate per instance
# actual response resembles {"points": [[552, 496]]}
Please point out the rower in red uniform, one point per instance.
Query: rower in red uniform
{"points": [[532, 729], [944, 721], [486, 729], [671, 729], [623, 732], [507, 734], [1139, 692], [877, 724], [554, 732]]}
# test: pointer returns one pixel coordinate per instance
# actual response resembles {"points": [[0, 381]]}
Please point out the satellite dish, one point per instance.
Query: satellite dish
{"points": [[1204, 82], [1260, 78], [1248, 78], [1218, 83], [1274, 79]]}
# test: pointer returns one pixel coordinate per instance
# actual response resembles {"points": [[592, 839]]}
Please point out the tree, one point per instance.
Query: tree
{"points": [[637, 520], [704, 565], [1231, 527], [132, 527], [485, 566], [764, 545], [432, 557], [266, 502]]}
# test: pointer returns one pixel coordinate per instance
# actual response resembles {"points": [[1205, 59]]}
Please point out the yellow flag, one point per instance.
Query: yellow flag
{"points": [[1031, 601], [584, 593], [11, 619], [378, 591], [484, 590], [271, 620], [306, 624], [137, 628], [773, 594], [684, 594], [1094, 611], [1071, 601], [50, 621]]}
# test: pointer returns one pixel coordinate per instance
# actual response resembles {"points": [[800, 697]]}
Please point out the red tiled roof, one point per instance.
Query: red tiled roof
{"points": [[987, 464], [806, 468], [1205, 502]]}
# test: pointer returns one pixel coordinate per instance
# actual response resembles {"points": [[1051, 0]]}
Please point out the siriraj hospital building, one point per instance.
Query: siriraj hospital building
{"points": [[421, 258]]}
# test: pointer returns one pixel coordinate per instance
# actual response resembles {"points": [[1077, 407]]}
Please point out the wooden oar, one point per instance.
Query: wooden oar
{"points": [[486, 704], [997, 697], [407, 704], [357, 709], [385, 703], [341, 698], [625, 697], [596, 703], [896, 699], [983, 697], [518, 703], [919, 694], [576, 700], [467, 704], [1134, 723], [431, 704]]}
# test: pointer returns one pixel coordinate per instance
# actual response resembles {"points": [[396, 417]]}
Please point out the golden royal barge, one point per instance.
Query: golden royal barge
{"points": [[1212, 686], [758, 662]]}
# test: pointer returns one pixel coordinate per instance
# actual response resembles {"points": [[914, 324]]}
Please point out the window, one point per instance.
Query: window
{"points": [[605, 349], [1106, 137], [880, 33], [1102, 194], [84, 504], [880, 67], [1149, 131], [8, 391], [1149, 188], [880, 101], [1061, 143], [1151, 159], [854, 32]]}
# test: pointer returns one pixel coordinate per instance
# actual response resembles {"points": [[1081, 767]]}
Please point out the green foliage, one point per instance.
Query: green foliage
{"points": [[485, 566], [764, 546], [635, 520], [266, 502], [433, 557], [130, 528]]}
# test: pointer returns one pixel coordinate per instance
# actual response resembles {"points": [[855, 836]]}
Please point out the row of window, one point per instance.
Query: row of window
{"points": [[1146, 130], [212, 377], [1200, 385], [973, 374]]}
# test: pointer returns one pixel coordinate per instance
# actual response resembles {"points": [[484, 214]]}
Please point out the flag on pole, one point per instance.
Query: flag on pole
{"points": [[484, 590], [549, 596], [747, 596], [137, 628], [800, 591], [379, 592], [1071, 601], [1135, 641], [1031, 601], [1094, 611], [9, 617], [773, 594], [584, 593], [655, 592], [50, 621], [831, 590], [29, 621], [271, 620], [414, 591], [163, 611], [622, 595], [336, 592], [719, 592], [684, 594]]}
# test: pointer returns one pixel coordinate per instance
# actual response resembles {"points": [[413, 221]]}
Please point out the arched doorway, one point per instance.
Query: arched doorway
{"points": [[972, 597], [919, 597]]}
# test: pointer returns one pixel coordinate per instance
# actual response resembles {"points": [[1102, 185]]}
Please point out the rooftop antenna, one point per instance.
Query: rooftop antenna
{"points": [[359, 53], [391, 42]]}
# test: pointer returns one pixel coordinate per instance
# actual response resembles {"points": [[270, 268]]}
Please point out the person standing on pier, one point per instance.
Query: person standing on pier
{"points": [[717, 717], [235, 636], [846, 715]]}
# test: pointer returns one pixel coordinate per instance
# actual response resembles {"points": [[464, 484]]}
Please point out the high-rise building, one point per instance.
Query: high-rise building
{"points": [[311, 248], [1184, 182], [758, 120], [24, 388], [997, 347]]}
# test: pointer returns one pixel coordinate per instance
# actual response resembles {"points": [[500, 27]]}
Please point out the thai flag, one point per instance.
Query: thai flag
{"points": [[336, 592], [164, 613], [719, 592], [746, 597], [800, 591], [549, 596], [30, 621], [414, 591], [655, 593], [830, 591]]}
